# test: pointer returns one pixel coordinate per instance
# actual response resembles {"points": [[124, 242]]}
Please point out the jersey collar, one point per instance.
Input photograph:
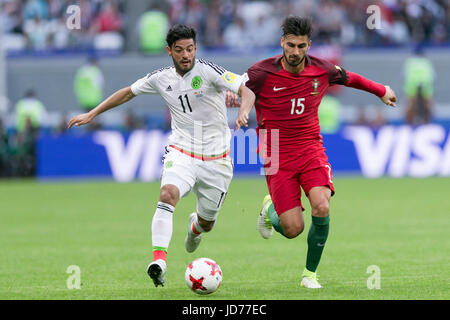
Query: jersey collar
{"points": [[308, 59], [277, 63], [187, 73]]}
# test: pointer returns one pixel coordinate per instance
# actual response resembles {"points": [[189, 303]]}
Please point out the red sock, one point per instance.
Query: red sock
{"points": [[159, 254], [195, 230]]}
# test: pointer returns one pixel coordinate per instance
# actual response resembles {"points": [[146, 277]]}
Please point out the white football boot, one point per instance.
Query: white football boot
{"points": [[309, 280], [192, 241], [265, 227], [157, 271]]}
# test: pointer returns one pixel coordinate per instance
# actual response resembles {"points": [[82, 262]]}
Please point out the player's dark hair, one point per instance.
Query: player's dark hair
{"points": [[297, 26], [178, 32]]}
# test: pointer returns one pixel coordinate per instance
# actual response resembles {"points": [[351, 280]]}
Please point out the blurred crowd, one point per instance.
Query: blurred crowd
{"points": [[52, 24], [344, 22], [42, 24]]}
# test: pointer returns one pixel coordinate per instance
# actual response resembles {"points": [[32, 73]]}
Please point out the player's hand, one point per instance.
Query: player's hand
{"points": [[232, 100], [80, 120], [389, 97], [242, 119]]}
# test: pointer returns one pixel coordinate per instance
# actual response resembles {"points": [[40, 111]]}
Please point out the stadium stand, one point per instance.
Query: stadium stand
{"points": [[40, 24]]}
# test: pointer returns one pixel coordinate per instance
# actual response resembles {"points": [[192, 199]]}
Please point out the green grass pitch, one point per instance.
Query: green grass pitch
{"points": [[399, 225]]}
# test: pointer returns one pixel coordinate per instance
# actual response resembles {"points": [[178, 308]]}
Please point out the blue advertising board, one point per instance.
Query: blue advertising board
{"points": [[395, 151]]}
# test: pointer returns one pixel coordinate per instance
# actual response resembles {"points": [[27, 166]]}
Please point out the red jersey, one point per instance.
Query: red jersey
{"points": [[290, 102]]}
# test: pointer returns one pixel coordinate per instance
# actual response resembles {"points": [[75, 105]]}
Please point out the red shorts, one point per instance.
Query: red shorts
{"points": [[284, 185]]}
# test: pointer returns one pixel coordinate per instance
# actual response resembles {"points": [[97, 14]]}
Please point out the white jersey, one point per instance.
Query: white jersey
{"points": [[197, 105]]}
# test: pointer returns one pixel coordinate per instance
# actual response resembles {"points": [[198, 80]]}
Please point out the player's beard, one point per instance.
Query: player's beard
{"points": [[293, 62], [181, 68]]}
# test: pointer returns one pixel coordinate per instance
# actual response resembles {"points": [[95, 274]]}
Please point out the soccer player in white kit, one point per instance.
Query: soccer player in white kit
{"points": [[197, 154]]}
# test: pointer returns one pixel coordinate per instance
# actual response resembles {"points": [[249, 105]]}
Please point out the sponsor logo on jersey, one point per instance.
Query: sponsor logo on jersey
{"points": [[229, 77], [278, 89], [198, 94], [196, 82], [169, 88], [315, 84]]}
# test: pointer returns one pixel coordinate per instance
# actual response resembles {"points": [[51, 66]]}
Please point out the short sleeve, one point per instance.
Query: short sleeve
{"points": [[228, 81], [219, 77], [145, 85], [254, 79]]}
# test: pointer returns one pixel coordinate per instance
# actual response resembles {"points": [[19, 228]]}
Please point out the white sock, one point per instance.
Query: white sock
{"points": [[162, 225]]}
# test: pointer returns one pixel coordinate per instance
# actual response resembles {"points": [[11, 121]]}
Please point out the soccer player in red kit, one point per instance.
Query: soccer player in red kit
{"points": [[288, 90]]}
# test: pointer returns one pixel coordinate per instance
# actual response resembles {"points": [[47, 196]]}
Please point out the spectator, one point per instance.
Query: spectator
{"points": [[375, 121], [379, 119], [235, 35], [19, 150], [189, 12], [361, 118], [29, 112], [35, 8], [329, 114], [59, 34], [153, 27], [61, 126], [265, 25], [88, 87], [24, 157], [329, 19], [11, 17], [4, 151], [109, 19], [88, 84], [132, 122], [37, 32], [419, 78], [56, 8], [211, 31]]}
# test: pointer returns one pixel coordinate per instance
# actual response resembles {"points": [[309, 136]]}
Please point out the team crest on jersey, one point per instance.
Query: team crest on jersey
{"points": [[168, 164], [229, 77], [196, 82], [315, 84]]}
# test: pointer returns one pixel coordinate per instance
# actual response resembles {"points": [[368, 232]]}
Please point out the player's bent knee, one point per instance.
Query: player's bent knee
{"points": [[169, 194], [293, 231], [292, 222]]}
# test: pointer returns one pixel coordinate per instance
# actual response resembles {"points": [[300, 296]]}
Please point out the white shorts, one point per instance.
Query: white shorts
{"points": [[209, 180]]}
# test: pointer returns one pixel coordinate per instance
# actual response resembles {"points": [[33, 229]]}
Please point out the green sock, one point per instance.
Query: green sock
{"points": [[317, 236], [275, 219]]}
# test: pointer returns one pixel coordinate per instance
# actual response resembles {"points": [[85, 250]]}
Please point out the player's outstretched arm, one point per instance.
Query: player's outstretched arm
{"points": [[116, 99], [247, 102], [385, 93]]}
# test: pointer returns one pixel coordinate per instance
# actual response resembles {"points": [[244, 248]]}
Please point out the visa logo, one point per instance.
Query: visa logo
{"points": [[401, 151], [140, 156]]}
